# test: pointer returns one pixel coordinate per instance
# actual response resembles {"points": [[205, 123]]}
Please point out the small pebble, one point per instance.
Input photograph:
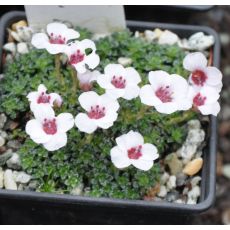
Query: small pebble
{"points": [[14, 144], [194, 193], [9, 182], [163, 191], [179, 201], [150, 35], [195, 181], [1, 177], [194, 124], [77, 191], [181, 179], [171, 182], [16, 37], [125, 61], [226, 170], [14, 162], [21, 23], [172, 196], [11, 47], [226, 216], [193, 167], [2, 141], [195, 136], [174, 164], [164, 178], [5, 156], [224, 39], [3, 120], [168, 38], [22, 48], [21, 177]]}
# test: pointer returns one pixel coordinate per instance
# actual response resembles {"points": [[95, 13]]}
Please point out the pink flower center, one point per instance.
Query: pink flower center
{"points": [[118, 82], [43, 98], [199, 77], [164, 94], [50, 126], [199, 100], [134, 153], [57, 39], [76, 57], [96, 112]]}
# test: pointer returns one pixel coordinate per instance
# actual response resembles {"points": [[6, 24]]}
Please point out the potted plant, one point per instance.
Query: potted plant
{"points": [[86, 177]]}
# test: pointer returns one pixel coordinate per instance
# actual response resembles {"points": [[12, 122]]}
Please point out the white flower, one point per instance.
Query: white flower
{"points": [[86, 79], [201, 74], [168, 93], [48, 130], [101, 112], [131, 150], [120, 82], [205, 100], [59, 35], [76, 52], [40, 97]]}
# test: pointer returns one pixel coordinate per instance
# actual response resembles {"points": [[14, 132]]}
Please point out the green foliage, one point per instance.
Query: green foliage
{"points": [[86, 158]]}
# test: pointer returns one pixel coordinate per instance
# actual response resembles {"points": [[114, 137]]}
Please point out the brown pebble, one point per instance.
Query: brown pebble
{"points": [[2, 149], [13, 125], [152, 192], [193, 167], [219, 164], [19, 24]]}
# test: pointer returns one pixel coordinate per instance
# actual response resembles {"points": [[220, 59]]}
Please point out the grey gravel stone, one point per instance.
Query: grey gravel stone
{"points": [[194, 124], [1, 177], [5, 156], [174, 164], [77, 191], [181, 179], [14, 162], [172, 196], [171, 182], [3, 120], [164, 178], [2, 141], [163, 191], [14, 144], [226, 170], [21, 177], [9, 182]]}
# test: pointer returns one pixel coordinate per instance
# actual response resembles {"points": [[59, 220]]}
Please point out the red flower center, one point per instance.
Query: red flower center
{"points": [[199, 100], [199, 77], [76, 57], [164, 94], [119, 82], [43, 98], [96, 112], [57, 39], [134, 153], [50, 126]]}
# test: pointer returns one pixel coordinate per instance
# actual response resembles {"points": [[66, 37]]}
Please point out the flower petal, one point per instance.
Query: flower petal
{"points": [[210, 93], [115, 93], [167, 108], [84, 123], [121, 142], [107, 121], [159, 78], [33, 96], [40, 40], [214, 76], [70, 34], [115, 70], [55, 98], [88, 76], [210, 109], [56, 28], [80, 67], [133, 139], [194, 61], [147, 96], [92, 60], [65, 122], [42, 111], [55, 48], [109, 103], [104, 81], [142, 164], [88, 99], [36, 133], [131, 92], [57, 141], [132, 76], [149, 152], [119, 158], [42, 88]]}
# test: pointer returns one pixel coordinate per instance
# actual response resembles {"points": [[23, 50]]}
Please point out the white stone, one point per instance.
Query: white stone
{"points": [[171, 182], [195, 136], [9, 182], [179, 201], [14, 161], [2, 141], [21, 177], [77, 191], [163, 191], [137, 34], [1, 177], [226, 170], [187, 151], [11, 47], [150, 35], [191, 201], [124, 61], [224, 39], [200, 41], [194, 124], [164, 178], [22, 48], [194, 193], [195, 180], [24, 33], [168, 38], [16, 36]]}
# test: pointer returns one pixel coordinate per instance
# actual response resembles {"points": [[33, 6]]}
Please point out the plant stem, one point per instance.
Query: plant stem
{"points": [[57, 68], [185, 116], [75, 80]]}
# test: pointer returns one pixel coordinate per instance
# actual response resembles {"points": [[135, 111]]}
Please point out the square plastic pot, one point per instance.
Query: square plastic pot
{"points": [[25, 207]]}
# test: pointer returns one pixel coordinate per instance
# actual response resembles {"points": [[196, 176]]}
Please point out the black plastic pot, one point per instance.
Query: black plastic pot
{"points": [[32, 207]]}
